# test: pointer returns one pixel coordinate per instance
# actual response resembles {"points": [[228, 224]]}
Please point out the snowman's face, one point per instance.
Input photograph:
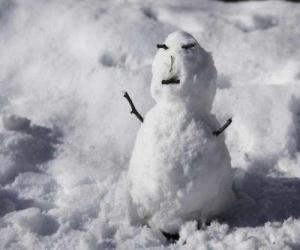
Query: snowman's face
{"points": [[181, 69]]}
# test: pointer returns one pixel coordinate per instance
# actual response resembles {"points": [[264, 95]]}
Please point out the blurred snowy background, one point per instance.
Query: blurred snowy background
{"points": [[66, 134]]}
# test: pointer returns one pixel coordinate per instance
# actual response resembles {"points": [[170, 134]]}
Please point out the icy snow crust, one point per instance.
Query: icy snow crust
{"points": [[65, 154], [179, 170]]}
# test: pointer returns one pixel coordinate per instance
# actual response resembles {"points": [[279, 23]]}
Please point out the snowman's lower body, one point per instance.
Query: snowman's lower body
{"points": [[179, 172]]}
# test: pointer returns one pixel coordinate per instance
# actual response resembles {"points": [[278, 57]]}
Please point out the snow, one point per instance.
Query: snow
{"points": [[180, 171], [63, 66]]}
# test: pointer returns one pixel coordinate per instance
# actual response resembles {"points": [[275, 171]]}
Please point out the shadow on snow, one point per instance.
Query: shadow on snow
{"points": [[263, 199]]}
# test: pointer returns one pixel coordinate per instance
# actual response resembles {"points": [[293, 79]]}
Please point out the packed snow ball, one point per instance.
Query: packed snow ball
{"points": [[179, 170]]}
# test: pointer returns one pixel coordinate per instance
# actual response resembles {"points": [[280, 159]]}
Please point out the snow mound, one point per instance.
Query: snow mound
{"points": [[32, 220]]}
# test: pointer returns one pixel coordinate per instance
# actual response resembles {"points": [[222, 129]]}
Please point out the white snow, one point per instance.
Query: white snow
{"points": [[63, 67]]}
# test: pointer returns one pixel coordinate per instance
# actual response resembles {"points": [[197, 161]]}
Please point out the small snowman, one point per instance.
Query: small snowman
{"points": [[180, 168]]}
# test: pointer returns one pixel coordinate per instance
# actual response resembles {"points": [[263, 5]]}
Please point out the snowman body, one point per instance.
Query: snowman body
{"points": [[179, 170]]}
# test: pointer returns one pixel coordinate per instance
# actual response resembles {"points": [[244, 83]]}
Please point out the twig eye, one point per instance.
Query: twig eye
{"points": [[162, 46], [188, 46]]}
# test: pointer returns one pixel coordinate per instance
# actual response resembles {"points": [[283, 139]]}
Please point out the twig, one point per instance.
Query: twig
{"points": [[220, 130], [170, 81], [171, 237], [172, 62], [162, 46], [188, 46], [133, 109]]}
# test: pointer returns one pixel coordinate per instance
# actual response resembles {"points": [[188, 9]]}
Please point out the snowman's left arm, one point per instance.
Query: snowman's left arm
{"points": [[220, 130], [133, 109]]}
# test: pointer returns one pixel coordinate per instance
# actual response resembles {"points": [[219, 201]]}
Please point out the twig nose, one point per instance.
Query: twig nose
{"points": [[172, 62]]}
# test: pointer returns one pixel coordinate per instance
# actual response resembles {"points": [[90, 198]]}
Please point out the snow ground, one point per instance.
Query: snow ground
{"points": [[64, 155]]}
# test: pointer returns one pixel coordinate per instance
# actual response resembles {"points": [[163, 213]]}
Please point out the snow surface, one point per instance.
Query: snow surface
{"points": [[64, 154]]}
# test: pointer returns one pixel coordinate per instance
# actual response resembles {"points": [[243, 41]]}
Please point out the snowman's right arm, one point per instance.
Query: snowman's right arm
{"points": [[133, 109], [220, 130]]}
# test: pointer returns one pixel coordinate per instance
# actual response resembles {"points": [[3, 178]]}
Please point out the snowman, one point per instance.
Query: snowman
{"points": [[180, 168]]}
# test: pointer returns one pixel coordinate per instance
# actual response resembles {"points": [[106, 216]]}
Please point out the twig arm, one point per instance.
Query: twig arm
{"points": [[133, 109], [220, 130]]}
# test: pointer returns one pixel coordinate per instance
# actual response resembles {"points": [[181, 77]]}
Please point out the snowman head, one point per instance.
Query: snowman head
{"points": [[183, 71]]}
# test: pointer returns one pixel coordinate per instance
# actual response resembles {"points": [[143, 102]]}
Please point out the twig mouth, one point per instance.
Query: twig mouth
{"points": [[172, 80]]}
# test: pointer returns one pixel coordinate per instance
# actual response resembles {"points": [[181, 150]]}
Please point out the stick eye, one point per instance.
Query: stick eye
{"points": [[188, 46], [162, 46]]}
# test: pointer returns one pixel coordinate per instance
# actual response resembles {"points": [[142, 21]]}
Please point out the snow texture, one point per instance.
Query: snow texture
{"points": [[66, 134], [179, 170]]}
